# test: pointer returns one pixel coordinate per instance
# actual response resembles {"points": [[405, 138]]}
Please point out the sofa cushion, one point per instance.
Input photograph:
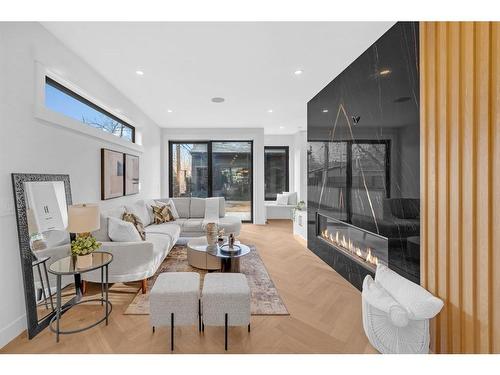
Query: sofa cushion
{"points": [[222, 207], [182, 206], [197, 209], [231, 224], [193, 226], [122, 231], [139, 209], [170, 229]]}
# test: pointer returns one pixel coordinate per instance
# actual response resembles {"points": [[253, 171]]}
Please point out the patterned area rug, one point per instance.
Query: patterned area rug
{"points": [[265, 299]]}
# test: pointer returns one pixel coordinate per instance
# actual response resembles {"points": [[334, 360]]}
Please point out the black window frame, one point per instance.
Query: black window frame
{"points": [[287, 168], [210, 168], [52, 82]]}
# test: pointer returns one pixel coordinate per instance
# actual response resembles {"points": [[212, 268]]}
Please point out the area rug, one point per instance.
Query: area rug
{"points": [[265, 299]]}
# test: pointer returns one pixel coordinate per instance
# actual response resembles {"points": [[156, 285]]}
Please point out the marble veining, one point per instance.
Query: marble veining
{"points": [[363, 153]]}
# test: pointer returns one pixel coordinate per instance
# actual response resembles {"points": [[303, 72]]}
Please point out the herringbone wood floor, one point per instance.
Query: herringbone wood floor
{"points": [[325, 313]]}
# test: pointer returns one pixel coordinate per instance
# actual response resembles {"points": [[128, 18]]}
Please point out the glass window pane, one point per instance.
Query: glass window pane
{"points": [[189, 169], [232, 177], [276, 171], [62, 100]]}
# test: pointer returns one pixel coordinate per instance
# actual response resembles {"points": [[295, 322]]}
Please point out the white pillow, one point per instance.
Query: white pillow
{"points": [[292, 197], [282, 199], [139, 209], [122, 231], [212, 209]]}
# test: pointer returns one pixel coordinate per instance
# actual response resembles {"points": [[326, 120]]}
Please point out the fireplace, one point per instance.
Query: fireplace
{"points": [[366, 248]]}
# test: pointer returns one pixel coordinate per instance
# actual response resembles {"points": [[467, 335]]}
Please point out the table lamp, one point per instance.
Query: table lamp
{"points": [[83, 219]]}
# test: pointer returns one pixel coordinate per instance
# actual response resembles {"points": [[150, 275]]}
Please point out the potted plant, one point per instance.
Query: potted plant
{"points": [[299, 207], [82, 248]]}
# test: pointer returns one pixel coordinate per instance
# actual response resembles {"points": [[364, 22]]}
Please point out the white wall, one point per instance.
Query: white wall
{"points": [[30, 145], [242, 134]]}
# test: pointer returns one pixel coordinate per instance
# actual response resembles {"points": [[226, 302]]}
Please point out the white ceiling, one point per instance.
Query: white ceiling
{"points": [[251, 65]]}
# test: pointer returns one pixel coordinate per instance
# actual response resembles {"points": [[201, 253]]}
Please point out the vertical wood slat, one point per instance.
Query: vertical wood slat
{"points": [[460, 179], [495, 189]]}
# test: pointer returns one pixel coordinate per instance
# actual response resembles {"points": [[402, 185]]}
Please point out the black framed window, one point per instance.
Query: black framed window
{"points": [[276, 171], [214, 169], [60, 99]]}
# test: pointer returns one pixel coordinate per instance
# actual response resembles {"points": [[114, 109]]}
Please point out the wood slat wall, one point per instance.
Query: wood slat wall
{"points": [[460, 182]]}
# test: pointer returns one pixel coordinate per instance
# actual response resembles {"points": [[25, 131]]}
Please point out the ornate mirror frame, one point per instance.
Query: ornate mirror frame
{"points": [[18, 179]]}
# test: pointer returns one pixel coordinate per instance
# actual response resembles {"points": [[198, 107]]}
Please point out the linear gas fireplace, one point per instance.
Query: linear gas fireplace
{"points": [[366, 248]]}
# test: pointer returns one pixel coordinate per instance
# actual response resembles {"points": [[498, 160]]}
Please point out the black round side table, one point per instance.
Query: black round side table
{"points": [[69, 266]]}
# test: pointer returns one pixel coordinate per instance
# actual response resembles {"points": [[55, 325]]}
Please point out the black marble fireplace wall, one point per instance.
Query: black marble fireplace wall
{"points": [[363, 153]]}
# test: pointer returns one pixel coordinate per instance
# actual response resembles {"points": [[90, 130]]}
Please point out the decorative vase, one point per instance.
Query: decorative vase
{"points": [[212, 233], [84, 261]]}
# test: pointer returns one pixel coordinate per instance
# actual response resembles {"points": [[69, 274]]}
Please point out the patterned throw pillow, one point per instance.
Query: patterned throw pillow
{"points": [[131, 218], [162, 214]]}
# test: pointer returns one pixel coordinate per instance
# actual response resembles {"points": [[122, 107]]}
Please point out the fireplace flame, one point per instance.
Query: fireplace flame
{"points": [[349, 246]]}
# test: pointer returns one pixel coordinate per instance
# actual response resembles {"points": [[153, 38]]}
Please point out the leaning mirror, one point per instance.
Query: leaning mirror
{"points": [[41, 202]]}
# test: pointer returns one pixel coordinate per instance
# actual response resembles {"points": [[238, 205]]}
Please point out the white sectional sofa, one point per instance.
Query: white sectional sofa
{"points": [[134, 261]]}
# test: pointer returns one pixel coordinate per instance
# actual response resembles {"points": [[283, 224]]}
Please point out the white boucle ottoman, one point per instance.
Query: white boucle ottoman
{"points": [[175, 300], [225, 301]]}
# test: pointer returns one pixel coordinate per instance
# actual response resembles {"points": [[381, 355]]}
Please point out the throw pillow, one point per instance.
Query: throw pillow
{"points": [[171, 206], [139, 209], [282, 199], [122, 231], [162, 214], [132, 218]]}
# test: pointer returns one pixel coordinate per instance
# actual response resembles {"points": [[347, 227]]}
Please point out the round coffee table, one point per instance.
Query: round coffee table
{"points": [[230, 260], [198, 257]]}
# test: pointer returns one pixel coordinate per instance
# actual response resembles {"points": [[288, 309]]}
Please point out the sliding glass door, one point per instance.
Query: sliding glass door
{"points": [[189, 169], [214, 169]]}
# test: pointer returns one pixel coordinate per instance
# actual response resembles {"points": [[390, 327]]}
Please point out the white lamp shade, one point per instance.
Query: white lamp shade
{"points": [[83, 218]]}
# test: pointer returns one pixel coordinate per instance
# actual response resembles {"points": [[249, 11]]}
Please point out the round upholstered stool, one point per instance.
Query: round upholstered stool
{"points": [[198, 257]]}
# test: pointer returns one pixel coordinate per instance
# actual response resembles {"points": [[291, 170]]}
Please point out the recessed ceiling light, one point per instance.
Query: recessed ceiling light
{"points": [[218, 99], [139, 72], [325, 111], [298, 72], [282, 127], [270, 110], [169, 111], [384, 72]]}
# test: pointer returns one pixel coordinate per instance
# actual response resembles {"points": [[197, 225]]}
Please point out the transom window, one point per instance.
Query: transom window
{"points": [[60, 99]]}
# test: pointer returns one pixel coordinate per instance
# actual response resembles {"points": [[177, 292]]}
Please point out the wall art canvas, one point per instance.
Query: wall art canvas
{"points": [[112, 174], [131, 174]]}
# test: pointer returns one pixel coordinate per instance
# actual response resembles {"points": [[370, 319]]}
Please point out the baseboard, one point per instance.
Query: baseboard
{"points": [[7, 334]]}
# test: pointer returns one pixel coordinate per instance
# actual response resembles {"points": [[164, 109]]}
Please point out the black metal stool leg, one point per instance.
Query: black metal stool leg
{"points": [[248, 327], [153, 329], [199, 315], [225, 332], [172, 331]]}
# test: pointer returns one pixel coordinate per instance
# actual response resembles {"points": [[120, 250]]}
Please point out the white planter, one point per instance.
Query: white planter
{"points": [[84, 261]]}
